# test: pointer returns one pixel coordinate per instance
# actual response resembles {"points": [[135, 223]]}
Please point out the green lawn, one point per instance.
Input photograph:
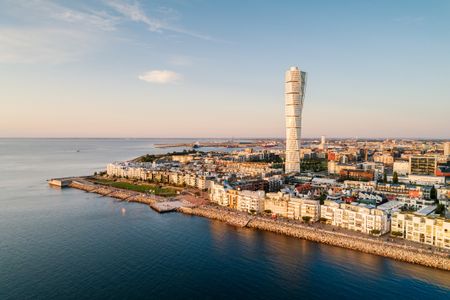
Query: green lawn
{"points": [[143, 188]]}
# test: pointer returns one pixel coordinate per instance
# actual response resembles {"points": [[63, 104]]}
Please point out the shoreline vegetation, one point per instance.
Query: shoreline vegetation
{"points": [[370, 245], [141, 187]]}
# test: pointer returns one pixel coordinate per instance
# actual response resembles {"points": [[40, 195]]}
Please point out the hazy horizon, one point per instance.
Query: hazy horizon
{"points": [[227, 138], [117, 68]]}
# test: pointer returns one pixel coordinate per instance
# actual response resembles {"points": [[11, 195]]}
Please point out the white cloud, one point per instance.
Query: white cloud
{"points": [[44, 45], [160, 76]]}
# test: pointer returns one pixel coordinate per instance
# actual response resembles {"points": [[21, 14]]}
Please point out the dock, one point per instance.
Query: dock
{"points": [[167, 206], [60, 182]]}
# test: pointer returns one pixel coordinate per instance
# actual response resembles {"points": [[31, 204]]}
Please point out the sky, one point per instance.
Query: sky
{"points": [[201, 68]]}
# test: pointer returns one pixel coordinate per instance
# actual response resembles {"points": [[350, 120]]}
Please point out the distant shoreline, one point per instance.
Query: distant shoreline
{"points": [[420, 256]]}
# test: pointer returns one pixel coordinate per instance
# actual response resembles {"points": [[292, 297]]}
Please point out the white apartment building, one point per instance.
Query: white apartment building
{"points": [[425, 180], [218, 194], [384, 158], [447, 149], [367, 186], [357, 217], [415, 203], [283, 205], [428, 230], [277, 203], [401, 167], [251, 201], [299, 208]]}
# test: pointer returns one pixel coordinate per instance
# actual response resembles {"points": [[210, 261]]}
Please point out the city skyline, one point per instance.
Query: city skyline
{"points": [[182, 70]]}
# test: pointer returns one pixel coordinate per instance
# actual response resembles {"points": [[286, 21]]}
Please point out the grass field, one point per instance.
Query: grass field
{"points": [[143, 188]]}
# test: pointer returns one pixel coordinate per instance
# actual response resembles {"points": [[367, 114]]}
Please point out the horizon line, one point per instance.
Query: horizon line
{"points": [[229, 137]]}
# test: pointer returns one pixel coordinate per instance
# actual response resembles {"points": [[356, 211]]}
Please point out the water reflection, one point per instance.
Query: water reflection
{"points": [[287, 255]]}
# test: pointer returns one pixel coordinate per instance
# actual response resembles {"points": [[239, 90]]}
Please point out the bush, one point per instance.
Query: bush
{"points": [[306, 219], [396, 233], [268, 211], [323, 220], [375, 232]]}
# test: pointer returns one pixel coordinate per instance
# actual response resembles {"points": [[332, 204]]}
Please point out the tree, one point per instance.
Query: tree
{"points": [[440, 210], [306, 219], [323, 220], [395, 178], [396, 233], [322, 198], [433, 194], [252, 211], [375, 231], [268, 211], [385, 177]]}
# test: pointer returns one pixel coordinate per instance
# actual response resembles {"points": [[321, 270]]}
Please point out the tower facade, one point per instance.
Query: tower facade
{"points": [[294, 90]]}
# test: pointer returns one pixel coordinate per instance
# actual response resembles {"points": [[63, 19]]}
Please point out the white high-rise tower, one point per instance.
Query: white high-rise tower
{"points": [[294, 90]]}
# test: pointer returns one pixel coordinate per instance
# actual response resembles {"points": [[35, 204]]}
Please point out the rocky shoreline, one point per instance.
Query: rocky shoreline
{"points": [[404, 253], [371, 246], [123, 195]]}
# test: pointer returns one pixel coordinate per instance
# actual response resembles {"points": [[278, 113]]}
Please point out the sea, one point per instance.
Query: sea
{"points": [[69, 244]]}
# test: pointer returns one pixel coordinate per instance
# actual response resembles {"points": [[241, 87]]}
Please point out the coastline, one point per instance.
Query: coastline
{"points": [[414, 255]]}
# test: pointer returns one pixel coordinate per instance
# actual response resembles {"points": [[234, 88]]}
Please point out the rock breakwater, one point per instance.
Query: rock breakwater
{"points": [[367, 245]]}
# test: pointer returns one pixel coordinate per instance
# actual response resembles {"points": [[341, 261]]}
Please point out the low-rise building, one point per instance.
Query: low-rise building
{"points": [[358, 217], [428, 230], [401, 167], [284, 205], [218, 194], [251, 201]]}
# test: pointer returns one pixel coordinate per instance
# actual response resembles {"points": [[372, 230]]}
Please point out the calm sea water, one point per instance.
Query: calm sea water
{"points": [[70, 244]]}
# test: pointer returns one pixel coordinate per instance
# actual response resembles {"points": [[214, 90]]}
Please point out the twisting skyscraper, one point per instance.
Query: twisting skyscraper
{"points": [[294, 90]]}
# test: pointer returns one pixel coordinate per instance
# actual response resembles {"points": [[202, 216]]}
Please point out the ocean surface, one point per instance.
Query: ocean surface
{"points": [[69, 244]]}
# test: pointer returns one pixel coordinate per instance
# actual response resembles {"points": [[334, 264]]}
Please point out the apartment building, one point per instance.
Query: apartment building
{"points": [[430, 230], [218, 194], [401, 167], [358, 217], [251, 201], [284, 205], [422, 165]]}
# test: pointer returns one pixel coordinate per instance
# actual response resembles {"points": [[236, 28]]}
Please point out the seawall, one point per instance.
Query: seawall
{"points": [[121, 194], [387, 249], [366, 245], [227, 216]]}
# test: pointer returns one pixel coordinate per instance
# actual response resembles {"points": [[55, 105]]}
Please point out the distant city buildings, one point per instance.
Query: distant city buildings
{"points": [[295, 81], [447, 150], [368, 186], [422, 165]]}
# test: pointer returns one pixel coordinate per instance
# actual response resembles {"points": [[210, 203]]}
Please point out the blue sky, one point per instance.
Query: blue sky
{"points": [[201, 68]]}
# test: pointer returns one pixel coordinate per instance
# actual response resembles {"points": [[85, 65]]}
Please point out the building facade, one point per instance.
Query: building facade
{"points": [[295, 81], [361, 218], [422, 165], [422, 229]]}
